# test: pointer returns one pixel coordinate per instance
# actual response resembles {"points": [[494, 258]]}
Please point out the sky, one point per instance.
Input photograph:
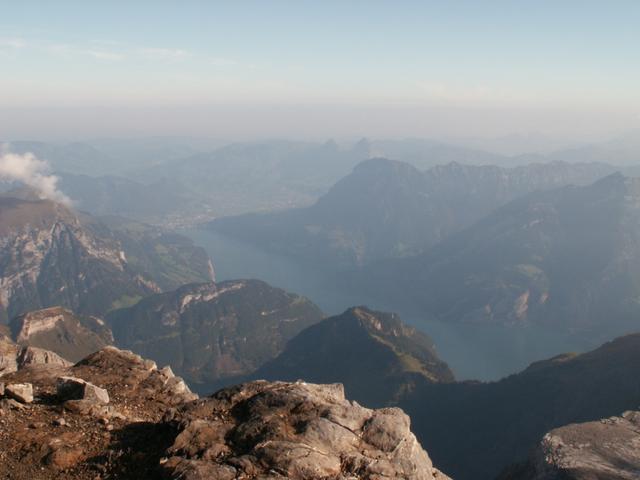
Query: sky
{"points": [[319, 68]]}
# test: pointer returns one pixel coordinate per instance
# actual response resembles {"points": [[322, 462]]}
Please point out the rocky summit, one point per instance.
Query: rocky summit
{"points": [[116, 415], [295, 431]]}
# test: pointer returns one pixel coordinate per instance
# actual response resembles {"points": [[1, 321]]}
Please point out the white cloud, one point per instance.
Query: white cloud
{"points": [[27, 169]]}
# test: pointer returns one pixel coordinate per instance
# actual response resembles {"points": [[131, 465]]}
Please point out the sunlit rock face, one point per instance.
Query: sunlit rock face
{"points": [[293, 431], [51, 255], [211, 333]]}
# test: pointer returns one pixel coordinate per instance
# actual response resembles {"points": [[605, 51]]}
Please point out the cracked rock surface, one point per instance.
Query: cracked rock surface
{"points": [[265, 430]]}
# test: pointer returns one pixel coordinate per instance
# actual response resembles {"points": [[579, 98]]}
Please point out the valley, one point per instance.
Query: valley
{"points": [[337, 240]]}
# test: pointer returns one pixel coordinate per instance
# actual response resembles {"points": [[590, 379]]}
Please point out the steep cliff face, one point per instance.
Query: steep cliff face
{"points": [[57, 329], [50, 255], [375, 355], [210, 333]]}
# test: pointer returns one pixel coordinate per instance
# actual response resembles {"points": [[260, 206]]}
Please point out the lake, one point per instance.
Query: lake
{"points": [[482, 352]]}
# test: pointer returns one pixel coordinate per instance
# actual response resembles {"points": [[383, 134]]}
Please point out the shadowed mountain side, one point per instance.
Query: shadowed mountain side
{"points": [[567, 258], [377, 357], [57, 329], [606, 449], [491, 425]]}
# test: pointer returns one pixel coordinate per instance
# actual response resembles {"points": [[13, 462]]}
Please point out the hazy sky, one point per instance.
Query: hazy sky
{"points": [[318, 68]]}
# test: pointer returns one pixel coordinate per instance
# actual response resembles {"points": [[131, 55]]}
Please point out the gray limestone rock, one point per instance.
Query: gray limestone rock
{"points": [[297, 431]]}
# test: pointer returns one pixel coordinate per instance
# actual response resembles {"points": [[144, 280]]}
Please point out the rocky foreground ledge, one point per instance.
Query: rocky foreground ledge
{"points": [[293, 430], [116, 415]]}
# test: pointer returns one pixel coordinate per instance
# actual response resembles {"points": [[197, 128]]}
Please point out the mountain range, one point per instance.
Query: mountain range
{"points": [[204, 179], [389, 209], [563, 258], [554, 247]]}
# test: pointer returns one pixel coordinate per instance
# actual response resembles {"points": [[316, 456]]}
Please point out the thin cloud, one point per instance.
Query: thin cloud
{"points": [[114, 51], [9, 47], [446, 92], [164, 53], [222, 62], [70, 51], [14, 43], [102, 55]]}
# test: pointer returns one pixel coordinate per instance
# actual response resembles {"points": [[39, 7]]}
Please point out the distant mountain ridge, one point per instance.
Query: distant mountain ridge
{"points": [[386, 209], [565, 258]]}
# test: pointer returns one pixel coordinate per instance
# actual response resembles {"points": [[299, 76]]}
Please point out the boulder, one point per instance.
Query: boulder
{"points": [[14, 357], [28, 356], [22, 392], [72, 388]]}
